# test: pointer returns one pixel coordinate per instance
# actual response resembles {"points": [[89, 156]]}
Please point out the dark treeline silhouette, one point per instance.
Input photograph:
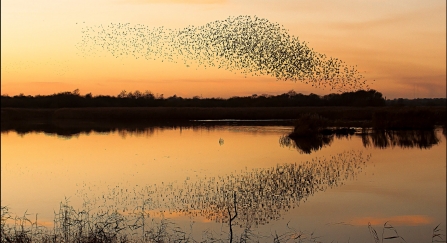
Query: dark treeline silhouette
{"points": [[406, 119], [417, 102], [74, 99]]}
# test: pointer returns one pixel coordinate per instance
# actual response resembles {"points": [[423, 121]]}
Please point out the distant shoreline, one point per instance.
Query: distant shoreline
{"points": [[351, 116]]}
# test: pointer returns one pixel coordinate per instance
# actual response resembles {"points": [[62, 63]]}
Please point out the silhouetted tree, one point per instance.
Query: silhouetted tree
{"points": [[137, 98]]}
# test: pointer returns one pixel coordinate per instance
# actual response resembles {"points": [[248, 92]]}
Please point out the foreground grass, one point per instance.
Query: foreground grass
{"points": [[72, 225], [390, 234]]}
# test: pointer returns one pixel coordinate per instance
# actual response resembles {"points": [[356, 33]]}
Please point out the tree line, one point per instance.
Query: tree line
{"points": [[417, 102], [137, 98]]}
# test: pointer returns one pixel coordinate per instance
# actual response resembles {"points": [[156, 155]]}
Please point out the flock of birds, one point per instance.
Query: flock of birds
{"points": [[259, 196], [251, 45]]}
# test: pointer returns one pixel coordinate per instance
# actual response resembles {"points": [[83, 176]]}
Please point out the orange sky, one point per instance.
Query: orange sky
{"points": [[399, 44]]}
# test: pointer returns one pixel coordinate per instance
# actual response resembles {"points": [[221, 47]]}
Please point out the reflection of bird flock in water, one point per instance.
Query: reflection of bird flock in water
{"points": [[247, 44], [259, 196]]}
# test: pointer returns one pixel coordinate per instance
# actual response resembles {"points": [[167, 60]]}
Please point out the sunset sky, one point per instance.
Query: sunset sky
{"points": [[399, 46]]}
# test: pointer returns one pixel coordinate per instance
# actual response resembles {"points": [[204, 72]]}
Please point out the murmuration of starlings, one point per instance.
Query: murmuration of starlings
{"points": [[249, 45]]}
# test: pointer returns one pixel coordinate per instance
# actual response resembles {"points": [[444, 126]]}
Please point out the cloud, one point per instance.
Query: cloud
{"points": [[177, 1], [428, 86], [402, 20], [376, 23]]}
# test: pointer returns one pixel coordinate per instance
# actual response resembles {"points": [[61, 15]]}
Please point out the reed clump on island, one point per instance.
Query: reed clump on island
{"points": [[309, 125], [312, 124], [418, 118]]}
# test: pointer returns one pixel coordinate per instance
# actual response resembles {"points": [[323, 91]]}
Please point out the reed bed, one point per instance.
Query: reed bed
{"points": [[390, 234], [381, 117], [71, 225], [407, 119], [182, 113], [309, 125], [82, 226], [198, 113]]}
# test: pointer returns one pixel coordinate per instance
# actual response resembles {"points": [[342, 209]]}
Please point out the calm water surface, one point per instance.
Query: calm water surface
{"points": [[330, 188]]}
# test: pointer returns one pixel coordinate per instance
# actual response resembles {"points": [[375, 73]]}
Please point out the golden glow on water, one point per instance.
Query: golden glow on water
{"points": [[412, 220], [401, 185]]}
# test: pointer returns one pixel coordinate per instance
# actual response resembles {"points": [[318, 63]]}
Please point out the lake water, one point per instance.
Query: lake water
{"points": [[199, 176]]}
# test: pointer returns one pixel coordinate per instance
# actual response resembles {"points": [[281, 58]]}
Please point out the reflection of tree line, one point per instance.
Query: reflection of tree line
{"points": [[68, 130], [73, 129], [378, 139], [254, 197], [405, 139]]}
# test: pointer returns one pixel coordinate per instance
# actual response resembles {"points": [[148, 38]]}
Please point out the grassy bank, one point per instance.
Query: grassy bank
{"points": [[363, 116]]}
